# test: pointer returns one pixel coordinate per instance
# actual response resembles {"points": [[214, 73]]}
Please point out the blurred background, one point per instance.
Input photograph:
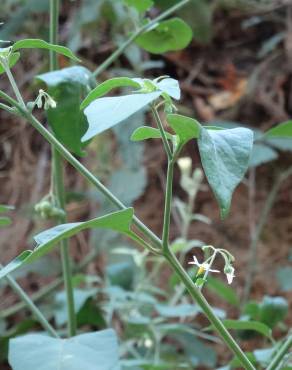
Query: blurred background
{"points": [[236, 71]]}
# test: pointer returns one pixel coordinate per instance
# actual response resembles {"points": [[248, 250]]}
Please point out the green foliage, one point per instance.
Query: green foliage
{"points": [[41, 44], [173, 34], [225, 156], [270, 311], [105, 113], [222, 290], [256, 326], [5, 221], [81, 296], [142, 5], [112, 110], [185, 128], [119, 221], [284, 276], [145, 133], [68, 87], [261, 154], [106, 87], [13, 59], [199, 15], [282, 130], [93, 351]]}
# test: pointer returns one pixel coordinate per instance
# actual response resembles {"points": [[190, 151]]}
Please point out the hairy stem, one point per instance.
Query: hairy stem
{"points": [[162, 133], [137, 33], [32, 307], [167, 206], [171, 258], [58, 183], [280, 353], [43, 292], [207, 309]]}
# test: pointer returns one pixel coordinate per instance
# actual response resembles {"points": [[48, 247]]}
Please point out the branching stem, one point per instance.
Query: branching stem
{"points": [[58, 184], [114, 56]]}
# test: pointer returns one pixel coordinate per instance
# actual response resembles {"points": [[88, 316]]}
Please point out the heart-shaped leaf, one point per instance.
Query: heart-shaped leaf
{"points": [[41, 44], [91, 351], [105, 113], [225, 157], [47, 240], [170, 35], [68, 87]]}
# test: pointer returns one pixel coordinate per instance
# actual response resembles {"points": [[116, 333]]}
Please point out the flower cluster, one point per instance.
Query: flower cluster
{"points": [[205, 267]]}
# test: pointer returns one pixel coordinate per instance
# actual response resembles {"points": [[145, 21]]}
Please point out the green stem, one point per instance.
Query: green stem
{"points": [[207, 309], [43, 292], [167, 206], [137, 33], [277, 358], [162, 133], [207, 270], [195, 293], [54, 29], [6, 108], [58, 184], [33, 308], [13, 84], [79, 167]]}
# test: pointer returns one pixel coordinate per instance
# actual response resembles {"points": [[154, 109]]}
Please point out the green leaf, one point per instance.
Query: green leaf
{"points": [[284, 277], [198, 14], [170, 86], [186, 128], [181, 310], [13, 59], [257, 326], [107, 86], [223, 290], [145, 132], [225, 157], [105, 113], [47, 240], [5, 208], [170, 35], [41, 44], [282, 130], [273, 310], [264, 356], [281, 143], [80, 298], [141, 6], [91, 351], [68, 87], [5, 221], [261, 154]]}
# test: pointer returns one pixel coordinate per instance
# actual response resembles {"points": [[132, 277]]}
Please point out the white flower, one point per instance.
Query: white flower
{"points": [[185, 165], [45, 99], [229, 272], [205, 266]]}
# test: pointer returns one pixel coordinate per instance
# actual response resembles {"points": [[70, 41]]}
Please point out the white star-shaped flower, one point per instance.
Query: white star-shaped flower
{"points": [[205, 266]]}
